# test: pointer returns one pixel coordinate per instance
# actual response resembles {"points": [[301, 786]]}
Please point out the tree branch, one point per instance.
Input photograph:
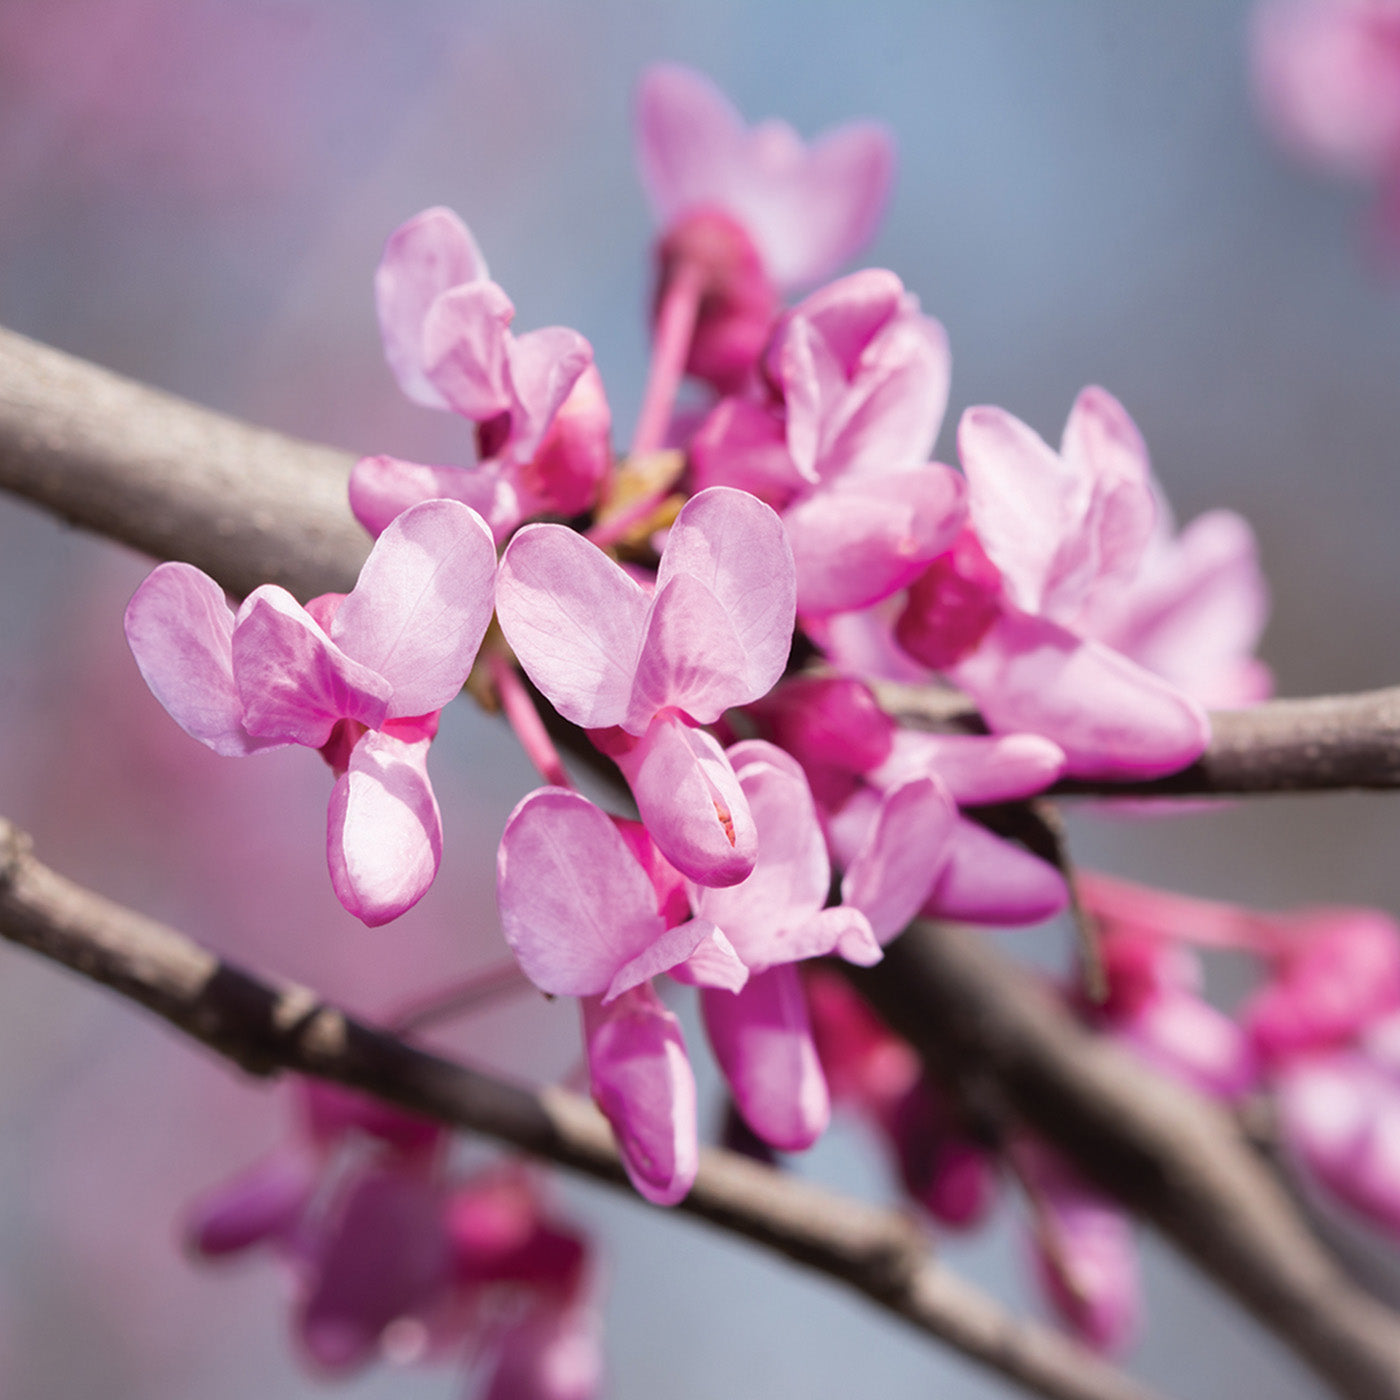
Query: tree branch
{"points": [[265, 1028], [982, 1023]]}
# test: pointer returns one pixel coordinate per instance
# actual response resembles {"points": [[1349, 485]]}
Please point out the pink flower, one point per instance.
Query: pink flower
{"points": [[1068, 531], [715, 633], [362, 678], [746, 212], [542, 418], [860, 378]]}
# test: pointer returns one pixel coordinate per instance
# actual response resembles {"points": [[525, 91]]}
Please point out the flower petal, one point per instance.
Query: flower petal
{"points": [[708, 955], [1112, 718], [975, 768], [576, 906], [643, 1083], [421, 605], [544, 366], [991, 881], [384, 830], [382, 488], [691, 802], [736, 546], [574, 619], [294, 682], [180, 629], [431, 253], [762, 1038]]}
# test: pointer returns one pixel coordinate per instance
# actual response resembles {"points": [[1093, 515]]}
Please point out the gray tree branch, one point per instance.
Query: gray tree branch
{"points": [[266, 1028]]}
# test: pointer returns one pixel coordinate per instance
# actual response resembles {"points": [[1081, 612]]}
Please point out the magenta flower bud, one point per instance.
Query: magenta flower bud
{"points": [[940, 1167], [951, 605]]}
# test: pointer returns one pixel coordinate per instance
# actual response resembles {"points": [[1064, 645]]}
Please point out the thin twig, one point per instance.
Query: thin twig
{"points": [[267, 1028]]}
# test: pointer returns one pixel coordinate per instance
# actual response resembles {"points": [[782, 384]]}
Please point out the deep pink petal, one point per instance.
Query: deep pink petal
{"points": [[432, 252], [544, 366], [262, 1204], [762, 1038], [554, 1351], [991, 881], [1112, 718], [382, 488], [975, 768], [899, 864], [386, 1256], [866, 538], [574, 619], [421, 605], [691, 658], [294, 682], [180, 629], [466, 345], [691, 802], [735, 545], [743, 444], [384, 830], [576, 907], [708, 956], [642, 1082], [687, 136]]}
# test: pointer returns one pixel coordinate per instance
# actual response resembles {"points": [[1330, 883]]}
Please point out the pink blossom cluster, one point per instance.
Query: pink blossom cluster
{"points": [[784, 815]]}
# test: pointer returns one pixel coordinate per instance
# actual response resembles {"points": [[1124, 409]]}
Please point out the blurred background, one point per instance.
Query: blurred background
{"points": [[195, 193]]}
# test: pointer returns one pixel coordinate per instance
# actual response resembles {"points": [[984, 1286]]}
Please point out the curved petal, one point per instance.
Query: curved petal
{"points": [[1112, 718], [687, 135], [423, 258], [709, 958], [294, 682], [990, 881], [902, 857], [384, 830], [743, 444], [466, 344], [975, 768], [736, 546], [264, 1203], [543, 367], [643, 1083], [180, 629], [382, 488], [421, 605], [691, 802], [574, 619], [576, 906], [762, 1038], [863, 539]]}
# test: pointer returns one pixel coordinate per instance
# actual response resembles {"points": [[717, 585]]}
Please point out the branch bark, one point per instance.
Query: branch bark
{"points": [[267, 1028], [982, 1023]]}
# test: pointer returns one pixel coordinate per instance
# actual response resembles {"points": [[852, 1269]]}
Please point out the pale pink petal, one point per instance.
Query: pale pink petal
{"points": [[1024, 500], [1103, 443], [576, 907], [991, 881], [687, 136], [384, 831], [841, 931], [466, 344], [743, 444], [865, 538], [574, 619], [836, 207], [180, 629], [432, 252], [386, 1256], [544, 367], [762, 1038], [709, 958], [736, 547], [975, 768], [421, 605], [845, 316], [691, 657], [294, 682], [691, 802], [1112, 718], [902, 857], [382, 488], [643, 1083], [1187, 1038]]}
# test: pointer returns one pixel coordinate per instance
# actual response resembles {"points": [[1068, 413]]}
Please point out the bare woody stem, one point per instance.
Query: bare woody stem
{"points": [[1019, 1058], [267, 1028]]}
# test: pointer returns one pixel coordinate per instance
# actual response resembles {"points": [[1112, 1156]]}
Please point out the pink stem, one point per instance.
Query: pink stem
{"points": [[675, 328], [1162, 913], [525, 720]]}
